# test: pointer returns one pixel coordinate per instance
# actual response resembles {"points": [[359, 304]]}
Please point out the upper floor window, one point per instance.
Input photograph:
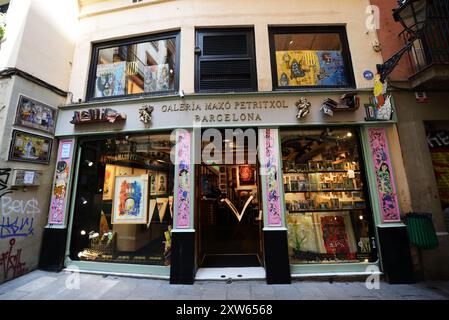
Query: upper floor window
{"points": [[146, 65], [4, 5], [310, 57], [225, 60]]}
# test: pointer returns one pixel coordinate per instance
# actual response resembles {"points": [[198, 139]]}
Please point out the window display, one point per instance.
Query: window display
{"points": [[310, 57], [328, 217], [124, 200], [134, 67]]}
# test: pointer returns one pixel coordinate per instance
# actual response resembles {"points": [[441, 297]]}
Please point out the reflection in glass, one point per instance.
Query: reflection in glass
{"points": [[147, 67]]}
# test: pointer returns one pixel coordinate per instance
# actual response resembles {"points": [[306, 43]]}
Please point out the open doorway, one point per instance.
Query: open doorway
{"points": [[229, 216]]}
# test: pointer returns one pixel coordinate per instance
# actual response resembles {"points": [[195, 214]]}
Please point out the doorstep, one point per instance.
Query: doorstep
{"points": [[224, 274]]}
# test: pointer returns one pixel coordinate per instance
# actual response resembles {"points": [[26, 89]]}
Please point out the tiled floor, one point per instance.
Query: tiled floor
{"points": [[40, 285]]}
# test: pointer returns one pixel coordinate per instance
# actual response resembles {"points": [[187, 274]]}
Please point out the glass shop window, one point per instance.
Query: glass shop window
{"points": [[124, 201], [328, 214], [310, 57], [133, 68]]}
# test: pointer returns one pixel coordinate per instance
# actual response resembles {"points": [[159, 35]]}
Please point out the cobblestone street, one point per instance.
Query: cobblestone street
{"points": [[39, 285]]}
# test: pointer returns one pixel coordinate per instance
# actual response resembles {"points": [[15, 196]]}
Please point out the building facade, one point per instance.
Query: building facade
{"points": [[198, 136], [30, 93], [419, 84]]}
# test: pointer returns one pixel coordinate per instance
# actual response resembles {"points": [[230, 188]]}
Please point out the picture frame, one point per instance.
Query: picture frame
{"points": [[325, 186], [30, 147], [152, 180], [338, 186], [108, 184], [312, 166], [370, 112], [339, 166], [357, 194], [36, 115], [130, 203], [161, 183], [246, 176], [328, 165], [335, 203], [346, 205], [359, 204]]}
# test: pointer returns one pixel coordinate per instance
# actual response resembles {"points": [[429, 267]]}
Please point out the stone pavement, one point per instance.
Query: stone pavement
{"points": [[40, 285]]}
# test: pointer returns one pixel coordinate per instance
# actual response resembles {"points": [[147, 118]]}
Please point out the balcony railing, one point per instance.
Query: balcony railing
{"points": [[431, 44]]}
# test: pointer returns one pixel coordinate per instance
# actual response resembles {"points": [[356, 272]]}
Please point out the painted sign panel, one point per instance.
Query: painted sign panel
{"points": [[269, 158], [183, 176], [61, 182], [383, 171]]}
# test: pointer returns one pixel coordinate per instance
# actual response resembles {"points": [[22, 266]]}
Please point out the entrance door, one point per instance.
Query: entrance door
{"points": [[229, 218]]}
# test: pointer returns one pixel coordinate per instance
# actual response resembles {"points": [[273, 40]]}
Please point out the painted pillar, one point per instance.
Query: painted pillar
{"points": [[392, 235], [55, 233], [275, 233], [182, 267]]}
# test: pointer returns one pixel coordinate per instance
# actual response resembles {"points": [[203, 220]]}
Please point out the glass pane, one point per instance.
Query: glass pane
{"points": [[146, 67], [124, 201], [309, 59], [327, 215]]}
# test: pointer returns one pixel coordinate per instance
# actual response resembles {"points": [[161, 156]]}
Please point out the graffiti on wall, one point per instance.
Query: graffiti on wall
{"points": [[386, 189], [4, 177], [17, 217], [10, 262]]}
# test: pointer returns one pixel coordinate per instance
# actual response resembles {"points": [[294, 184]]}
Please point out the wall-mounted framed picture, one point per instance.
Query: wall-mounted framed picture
{"points": [[36, 115], [30, 147], [247, 177], [161, 185], [130, 200], [108, 185]]}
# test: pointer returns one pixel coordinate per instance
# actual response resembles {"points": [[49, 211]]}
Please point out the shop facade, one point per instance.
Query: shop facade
{"points": [[226, 146]]}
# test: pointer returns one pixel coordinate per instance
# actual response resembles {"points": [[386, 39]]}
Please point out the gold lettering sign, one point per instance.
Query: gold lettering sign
{"points": [[238, 111]]}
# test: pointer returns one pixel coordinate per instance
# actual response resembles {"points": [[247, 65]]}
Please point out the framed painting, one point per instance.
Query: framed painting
{"points": [[161, 185], [30, 147], [36, 115], [130, 200], [108, 186], [247, 177]]}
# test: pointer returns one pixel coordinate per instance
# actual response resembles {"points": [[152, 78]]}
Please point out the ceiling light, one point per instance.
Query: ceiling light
{"points": [[349, 134]]}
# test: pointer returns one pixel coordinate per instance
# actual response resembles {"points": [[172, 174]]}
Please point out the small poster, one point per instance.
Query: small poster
{"points": [[108, 185], [110, 79], [161, 186]]}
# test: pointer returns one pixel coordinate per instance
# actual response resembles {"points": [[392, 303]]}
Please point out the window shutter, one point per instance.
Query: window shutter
{"points": [[226, 62]]}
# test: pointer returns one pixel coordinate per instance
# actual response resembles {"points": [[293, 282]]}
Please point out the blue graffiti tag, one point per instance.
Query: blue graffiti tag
{"points": [[18, 227]]}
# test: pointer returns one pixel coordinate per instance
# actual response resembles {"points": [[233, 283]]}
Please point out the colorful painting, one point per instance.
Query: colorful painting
{"points": [[130, 200], [334, 235], [269, 161], [247, 176], [108, 186], [156, 78], [386, 189], [61, 183], [183, 176], [30, 147], [36, 115], [110, 79], [310, 68]]}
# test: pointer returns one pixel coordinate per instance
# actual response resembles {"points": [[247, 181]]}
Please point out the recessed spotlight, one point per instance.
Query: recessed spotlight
{"points": [[349, 134], [83, 232]]}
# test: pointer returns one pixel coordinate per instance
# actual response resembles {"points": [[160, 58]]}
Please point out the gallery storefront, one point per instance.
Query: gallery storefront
{"points": [[189, 189]]}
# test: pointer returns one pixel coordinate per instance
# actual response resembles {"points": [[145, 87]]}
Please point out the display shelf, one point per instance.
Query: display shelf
{"points": [[326, 191], [325, 210], [320, 171]]}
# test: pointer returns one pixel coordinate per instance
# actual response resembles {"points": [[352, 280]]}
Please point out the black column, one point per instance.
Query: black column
{"points": [[277, 265], [53, 249], [182, 266], [395, 253]]}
